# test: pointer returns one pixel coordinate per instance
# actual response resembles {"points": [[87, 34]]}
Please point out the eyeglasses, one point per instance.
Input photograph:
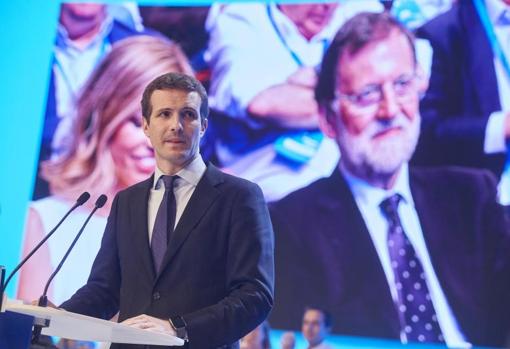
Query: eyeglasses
{"points": [[372, 95]]}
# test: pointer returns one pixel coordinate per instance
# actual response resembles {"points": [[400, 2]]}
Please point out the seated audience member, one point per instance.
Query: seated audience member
{"points": [[466, 110], [315, 327], [109, 152], [263, 60], [85, 34], [259, 338], [392, 251]]}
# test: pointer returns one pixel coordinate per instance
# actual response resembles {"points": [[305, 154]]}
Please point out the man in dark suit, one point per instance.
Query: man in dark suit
{"points": [[466, 110], [199, 267], [417, 255]]}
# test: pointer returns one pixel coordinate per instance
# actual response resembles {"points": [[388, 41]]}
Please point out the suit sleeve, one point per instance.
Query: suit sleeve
{"points": [[250, 276], [100, 296], [496, 230], [448, 129]]}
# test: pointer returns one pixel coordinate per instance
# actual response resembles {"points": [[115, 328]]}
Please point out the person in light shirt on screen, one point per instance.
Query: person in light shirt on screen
{"points": [[391, 250], [85, 34], [263, 60], [315, 327], [109, 152]]}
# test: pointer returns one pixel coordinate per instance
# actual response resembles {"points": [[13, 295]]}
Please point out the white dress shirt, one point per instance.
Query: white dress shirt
{"points": [[184, 187], [368, 199]]}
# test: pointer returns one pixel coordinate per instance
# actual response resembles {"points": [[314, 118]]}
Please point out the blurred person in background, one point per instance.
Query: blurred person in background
{"points": [[85, 34], [109, 152], [316, 326], [466, 110], [264, 59], [391, 250]]}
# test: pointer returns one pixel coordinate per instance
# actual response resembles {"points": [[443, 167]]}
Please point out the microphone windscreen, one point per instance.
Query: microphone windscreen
{"points": [[101, 200], [83, 198]]}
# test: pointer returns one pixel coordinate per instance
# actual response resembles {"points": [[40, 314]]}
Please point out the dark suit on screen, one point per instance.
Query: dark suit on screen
{"points": [[462, 94], [217, 272], [325, 256]]}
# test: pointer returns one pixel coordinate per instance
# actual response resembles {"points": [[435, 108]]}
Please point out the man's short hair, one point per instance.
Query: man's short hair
{"points": [[174, 81], [328, 319], [355, 34]]}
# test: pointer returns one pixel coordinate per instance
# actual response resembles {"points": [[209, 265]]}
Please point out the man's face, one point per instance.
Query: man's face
{"points": [[313, 327], [376, 117], [175, 128], [310, 19]]}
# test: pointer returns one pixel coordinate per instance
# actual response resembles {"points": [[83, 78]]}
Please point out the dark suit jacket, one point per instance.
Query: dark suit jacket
{"points": [[217, 272], [463, 92], [325, 257]]}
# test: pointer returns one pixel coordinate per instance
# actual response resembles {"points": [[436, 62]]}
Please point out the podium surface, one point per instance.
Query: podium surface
{"points": [[80, 327]]}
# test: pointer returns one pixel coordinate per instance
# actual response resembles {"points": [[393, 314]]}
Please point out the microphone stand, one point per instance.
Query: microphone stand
{"points": [[43, 300], [81, 200]]}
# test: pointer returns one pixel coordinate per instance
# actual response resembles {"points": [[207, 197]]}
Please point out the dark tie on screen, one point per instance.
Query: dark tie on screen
{"points": [[415, 307], [165, 221]]}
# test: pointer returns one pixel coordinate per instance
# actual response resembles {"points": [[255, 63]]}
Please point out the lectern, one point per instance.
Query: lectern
{"points": [[70, 325]]}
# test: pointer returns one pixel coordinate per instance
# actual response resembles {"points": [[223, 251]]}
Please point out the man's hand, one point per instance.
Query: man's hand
{"points": [[146, 322], [304, 76], [49, 304], [288, 340]]}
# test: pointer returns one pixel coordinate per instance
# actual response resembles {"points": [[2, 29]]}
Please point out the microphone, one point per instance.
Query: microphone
{"points": [[43, 300], [81, 200]]}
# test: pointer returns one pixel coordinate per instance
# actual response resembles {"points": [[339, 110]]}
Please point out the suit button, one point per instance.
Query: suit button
{"points": [[156, 296]]}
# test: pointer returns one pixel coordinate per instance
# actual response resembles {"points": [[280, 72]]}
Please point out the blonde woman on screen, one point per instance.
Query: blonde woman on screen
{"points": [[107, 152]]}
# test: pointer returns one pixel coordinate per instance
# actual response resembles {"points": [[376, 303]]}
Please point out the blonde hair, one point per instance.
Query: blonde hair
{"points": [[110, 98]]}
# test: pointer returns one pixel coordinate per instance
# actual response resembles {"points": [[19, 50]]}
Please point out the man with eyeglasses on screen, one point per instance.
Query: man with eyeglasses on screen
{"points": [[392, 251]]}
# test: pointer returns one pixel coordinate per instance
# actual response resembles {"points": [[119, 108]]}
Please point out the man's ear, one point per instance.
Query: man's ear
{"points": [[327, 122], [203, 128], [145, 126], [422, 80]]}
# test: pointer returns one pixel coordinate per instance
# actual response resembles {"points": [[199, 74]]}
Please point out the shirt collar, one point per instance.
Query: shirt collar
{"points": [[369, 195], [191, 173], [64, 41], [496, 8]]}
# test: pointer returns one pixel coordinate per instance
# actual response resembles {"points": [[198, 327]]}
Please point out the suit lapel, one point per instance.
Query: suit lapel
{"points": [[357, 254], [204, 195], [138, 207], [441, 218], [479, 52]]}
